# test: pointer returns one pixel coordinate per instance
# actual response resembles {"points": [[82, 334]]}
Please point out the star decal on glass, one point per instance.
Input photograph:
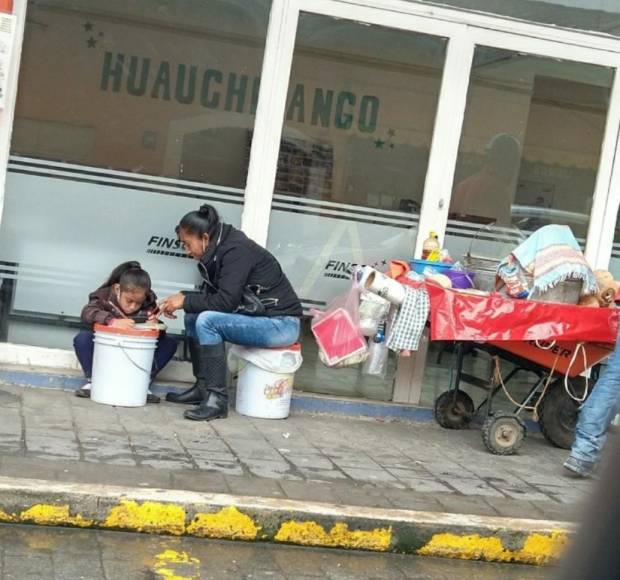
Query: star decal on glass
{"points": [[88, 26], [91, 42], [379, 143]]}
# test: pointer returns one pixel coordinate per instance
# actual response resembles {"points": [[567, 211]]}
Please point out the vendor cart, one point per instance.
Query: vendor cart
{"points": [[554, 394], [553, 343]]}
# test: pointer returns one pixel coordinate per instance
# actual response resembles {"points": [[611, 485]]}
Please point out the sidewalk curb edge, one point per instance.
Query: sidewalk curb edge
{"points": [[223, 516]]}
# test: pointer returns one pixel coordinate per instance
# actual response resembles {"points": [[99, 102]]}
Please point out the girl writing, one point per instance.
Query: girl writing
{"points": [[122, 300]]}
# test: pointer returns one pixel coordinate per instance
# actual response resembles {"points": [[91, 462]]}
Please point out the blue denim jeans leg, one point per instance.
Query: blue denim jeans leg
{"points": [[598, 412], [258, 331]]}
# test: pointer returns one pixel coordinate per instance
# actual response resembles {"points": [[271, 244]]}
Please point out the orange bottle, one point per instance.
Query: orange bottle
{"points": [[430, 245]]}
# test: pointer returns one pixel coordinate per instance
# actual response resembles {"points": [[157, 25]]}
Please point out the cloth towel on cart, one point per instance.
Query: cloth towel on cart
{"points": [[550, 255], [410, 321]]}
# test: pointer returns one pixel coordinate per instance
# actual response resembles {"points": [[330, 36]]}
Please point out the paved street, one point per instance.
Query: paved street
{"points": [[50, 434], [29, 553]]}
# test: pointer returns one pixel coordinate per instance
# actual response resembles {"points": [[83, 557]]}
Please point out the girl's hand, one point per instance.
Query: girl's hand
{"points": [[171, 304], [154, 314], [123, 323]]}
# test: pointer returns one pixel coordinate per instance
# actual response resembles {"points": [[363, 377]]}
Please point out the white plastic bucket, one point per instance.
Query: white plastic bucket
{"points": [[122, 365], [264, 394]]}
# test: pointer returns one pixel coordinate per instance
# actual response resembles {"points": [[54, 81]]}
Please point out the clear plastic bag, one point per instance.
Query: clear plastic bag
{"points": [[337, 330], [372, 311], [412, 275], [376, 363], [275, 360]]}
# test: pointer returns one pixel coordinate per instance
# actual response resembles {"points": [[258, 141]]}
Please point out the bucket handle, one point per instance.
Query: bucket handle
{"points": [[133, 362]]}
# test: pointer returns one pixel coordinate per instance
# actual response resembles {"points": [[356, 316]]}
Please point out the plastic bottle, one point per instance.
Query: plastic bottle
{"points": [[380, 334], [430, 245]]}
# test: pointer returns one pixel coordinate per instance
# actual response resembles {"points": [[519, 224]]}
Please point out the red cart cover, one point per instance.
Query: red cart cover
{"points": [[461, 316]]}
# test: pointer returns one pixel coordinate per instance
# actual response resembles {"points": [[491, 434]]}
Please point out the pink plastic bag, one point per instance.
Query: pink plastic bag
{"points": [[337, 330]]}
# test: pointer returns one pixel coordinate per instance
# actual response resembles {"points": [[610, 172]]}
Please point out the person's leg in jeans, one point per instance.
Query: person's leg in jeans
{"points": [[213, 329], [256, 331], [166, 349], [595, 417], [84, 350]]}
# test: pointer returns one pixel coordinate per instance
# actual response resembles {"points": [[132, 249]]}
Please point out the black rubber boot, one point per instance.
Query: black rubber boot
{"points": [[212, 384], [192, 395]]}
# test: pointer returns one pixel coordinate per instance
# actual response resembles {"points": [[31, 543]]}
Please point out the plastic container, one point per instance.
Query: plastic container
{"points": [[122, 365], [387, 288], [262, 393], [485, 270], [419, 265], [430, 245]]}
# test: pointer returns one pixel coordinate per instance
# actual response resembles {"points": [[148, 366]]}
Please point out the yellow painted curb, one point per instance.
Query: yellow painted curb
{"points": [[227, 524], [302, 523], [313, 534], [537, 548], [53, 515], [149, 517]]}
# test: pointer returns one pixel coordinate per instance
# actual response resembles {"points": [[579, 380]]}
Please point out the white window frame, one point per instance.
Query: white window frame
{"points": [[8, 113], [464, 31]]}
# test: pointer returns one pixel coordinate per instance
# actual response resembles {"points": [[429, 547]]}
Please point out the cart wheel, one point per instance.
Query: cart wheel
{"points": [[503, 433], [454, 412], [557, 413]]}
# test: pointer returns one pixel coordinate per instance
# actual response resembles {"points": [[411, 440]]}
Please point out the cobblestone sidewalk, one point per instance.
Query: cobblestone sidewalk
{"points": [[51, 434]]}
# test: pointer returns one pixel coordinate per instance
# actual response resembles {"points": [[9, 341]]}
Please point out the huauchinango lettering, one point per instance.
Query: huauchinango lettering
{"points": [[215, 89]]}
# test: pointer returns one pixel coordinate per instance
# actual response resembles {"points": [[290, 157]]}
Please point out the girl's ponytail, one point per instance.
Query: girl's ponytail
{"points": [[129, 275]]}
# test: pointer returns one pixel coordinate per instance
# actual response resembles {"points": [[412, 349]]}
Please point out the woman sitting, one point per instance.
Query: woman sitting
{"points": [[245, 299]]}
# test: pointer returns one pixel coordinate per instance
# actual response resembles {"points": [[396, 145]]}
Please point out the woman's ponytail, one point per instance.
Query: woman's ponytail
{"points": [[205, 220]]}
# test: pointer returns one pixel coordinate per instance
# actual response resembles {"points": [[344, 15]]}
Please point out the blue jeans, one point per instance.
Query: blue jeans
{"points": [[85, 350], [211, 327], [598, 412]]}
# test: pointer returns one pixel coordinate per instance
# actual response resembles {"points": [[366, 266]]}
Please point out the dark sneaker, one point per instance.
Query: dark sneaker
{"points": [[579, 468], [151, 398], [84, 392]]}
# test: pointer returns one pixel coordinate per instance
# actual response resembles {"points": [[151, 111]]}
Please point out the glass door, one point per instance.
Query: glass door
{"points": [[352, 164]]}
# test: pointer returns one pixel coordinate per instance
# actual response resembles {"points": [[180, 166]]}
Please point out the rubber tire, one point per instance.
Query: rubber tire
{"points": [[558, 413], [491, 435], [454, 416]]}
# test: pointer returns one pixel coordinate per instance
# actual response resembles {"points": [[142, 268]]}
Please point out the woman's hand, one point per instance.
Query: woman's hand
{"points": [[122, 323], [168, 306]]}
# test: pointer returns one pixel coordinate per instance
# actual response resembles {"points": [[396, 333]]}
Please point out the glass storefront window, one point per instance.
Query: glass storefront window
{"points": [[353, 157], [529, 150], [588, 15], [129, 114]]}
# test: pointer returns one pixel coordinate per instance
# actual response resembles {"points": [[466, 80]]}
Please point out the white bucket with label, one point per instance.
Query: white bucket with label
{"points": [[122, 365], [266, 392]]}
